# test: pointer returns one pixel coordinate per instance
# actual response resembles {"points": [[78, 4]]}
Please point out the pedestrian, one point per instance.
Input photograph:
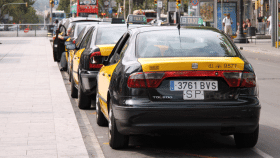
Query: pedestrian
{"points": [[269, 22], [248, 22], [260, 23], [227, 22]]}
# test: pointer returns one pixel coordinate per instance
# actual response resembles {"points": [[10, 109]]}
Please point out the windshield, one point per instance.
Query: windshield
{"points": [[110, 35], [190, 43], [87, 2]]}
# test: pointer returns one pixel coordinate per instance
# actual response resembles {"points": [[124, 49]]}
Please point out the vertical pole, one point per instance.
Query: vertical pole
{"points": [[35, 30], [215, 13], [51, 16], [124, 9], [277, 24], [272, 23], [158, 13], [129, 7], [241, 38], [17, 30], [222, 15]]}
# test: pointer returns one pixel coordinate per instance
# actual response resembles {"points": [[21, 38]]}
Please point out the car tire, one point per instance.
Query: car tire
{"points": [[116, 139], [246, 140], [84, 101], [100, 118], [74, 91]]}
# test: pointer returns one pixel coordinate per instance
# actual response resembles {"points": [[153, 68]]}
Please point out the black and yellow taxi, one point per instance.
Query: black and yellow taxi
{"points": [[160, 80], [71, 53], [62, 34], [97, 44]]}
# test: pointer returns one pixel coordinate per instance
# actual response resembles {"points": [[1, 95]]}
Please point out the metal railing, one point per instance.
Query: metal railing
{"points": [[25, 30]]}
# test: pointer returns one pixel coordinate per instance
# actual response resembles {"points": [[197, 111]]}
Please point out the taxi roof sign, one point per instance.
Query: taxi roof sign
{"points": [[118, 21], [191, 21], [136, 19]]}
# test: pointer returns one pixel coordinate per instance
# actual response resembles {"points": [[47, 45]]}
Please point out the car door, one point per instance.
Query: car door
{"points": [[106, 72], [76, 58]]}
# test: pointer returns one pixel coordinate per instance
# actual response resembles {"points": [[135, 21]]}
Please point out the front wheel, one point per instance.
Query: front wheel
{"points": [[74, 91], [100, 118], [246, 140], [84, 101], [116, 139]]}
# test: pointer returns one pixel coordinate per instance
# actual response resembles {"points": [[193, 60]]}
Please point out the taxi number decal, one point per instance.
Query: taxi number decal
{"points": [[154, 67], [225, 66]]}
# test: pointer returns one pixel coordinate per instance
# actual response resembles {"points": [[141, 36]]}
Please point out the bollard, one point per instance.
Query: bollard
{"points": [[17, 30], [35, 29]]}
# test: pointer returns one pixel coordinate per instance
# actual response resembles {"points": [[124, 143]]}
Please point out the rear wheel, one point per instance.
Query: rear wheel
{"points": [[84, 101], [74, 91], [100, 118], [246, 140], [116, 139]]}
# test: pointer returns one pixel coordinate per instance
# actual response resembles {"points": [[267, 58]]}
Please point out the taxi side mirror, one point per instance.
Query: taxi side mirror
{"points": [[71, 46], [68, 42], [241, 48]]}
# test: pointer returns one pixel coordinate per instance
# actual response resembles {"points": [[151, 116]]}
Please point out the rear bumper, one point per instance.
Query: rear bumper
{"points": [[89, 81], [176, 117]]}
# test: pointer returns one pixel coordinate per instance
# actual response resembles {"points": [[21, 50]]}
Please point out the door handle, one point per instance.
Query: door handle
{"points": [[109, 75], [103, 74]]}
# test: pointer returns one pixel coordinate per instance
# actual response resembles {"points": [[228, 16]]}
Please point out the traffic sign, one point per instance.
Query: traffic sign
{"points": [[110, 10], [26, 30], [195, 2], [159, 4], [55, 2]]}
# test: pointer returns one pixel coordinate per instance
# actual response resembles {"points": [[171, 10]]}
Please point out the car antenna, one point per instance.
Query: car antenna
{"points": [[179, 27]]}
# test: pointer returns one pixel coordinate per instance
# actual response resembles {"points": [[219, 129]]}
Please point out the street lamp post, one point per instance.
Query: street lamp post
{"points": [[241, 38]]}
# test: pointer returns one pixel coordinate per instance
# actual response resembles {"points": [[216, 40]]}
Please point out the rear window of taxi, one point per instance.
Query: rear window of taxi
{"points": [[110, 35], [190, 43]]}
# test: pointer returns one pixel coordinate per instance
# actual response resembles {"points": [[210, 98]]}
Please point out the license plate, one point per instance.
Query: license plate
{"points": [[193, 85], [193, 95]]}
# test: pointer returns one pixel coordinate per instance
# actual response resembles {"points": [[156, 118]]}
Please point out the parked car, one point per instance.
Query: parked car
{"points": [[161, 80]]}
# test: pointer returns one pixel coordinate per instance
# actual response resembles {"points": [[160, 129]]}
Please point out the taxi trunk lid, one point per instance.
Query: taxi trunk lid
{"points": [[192, 78], [106, 50]]}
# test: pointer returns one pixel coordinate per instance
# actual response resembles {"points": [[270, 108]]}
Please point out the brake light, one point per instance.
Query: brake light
{"points": [[248, 79], [233, 78], [94, 60], [154, 79], [143, 80], [74, 41]]}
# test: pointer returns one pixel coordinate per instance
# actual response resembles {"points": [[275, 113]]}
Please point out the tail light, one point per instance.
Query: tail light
{"points": [[145, 79], [248, 79], [94, 60], [154, 79], [74, 41], [233, 78]]}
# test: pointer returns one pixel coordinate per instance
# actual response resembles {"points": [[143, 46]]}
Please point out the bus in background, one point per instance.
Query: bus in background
{"points": [[87, 8], [56, 15], [150, 14]]}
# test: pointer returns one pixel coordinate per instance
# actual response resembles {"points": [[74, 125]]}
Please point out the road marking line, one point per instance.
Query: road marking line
{"points": [[261, 153], [92, 135]]}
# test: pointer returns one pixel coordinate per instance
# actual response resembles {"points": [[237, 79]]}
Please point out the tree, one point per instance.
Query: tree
{"points": [[20, 13], [64, 5]]}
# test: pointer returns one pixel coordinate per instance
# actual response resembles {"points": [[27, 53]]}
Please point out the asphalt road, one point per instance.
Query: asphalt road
{"points": [[267, 68]]}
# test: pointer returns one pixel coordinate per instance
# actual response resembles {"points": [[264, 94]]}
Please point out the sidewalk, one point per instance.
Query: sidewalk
{"points": [[36, 117], [261, 46]]}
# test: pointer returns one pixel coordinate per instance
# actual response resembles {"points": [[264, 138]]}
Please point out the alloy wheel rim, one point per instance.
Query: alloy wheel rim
{"points": [[97, 108], [110, 123]]}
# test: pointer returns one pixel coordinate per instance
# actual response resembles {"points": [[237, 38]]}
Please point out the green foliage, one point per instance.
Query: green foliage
{"points": [[20, 13], [64, 5]]}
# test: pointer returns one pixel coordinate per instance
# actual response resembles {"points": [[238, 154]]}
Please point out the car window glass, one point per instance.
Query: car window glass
{"points": [[109, 35], [118, 54], [72, 31], [190, 43], [86, 39], [90, 39], [80, 37]]}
